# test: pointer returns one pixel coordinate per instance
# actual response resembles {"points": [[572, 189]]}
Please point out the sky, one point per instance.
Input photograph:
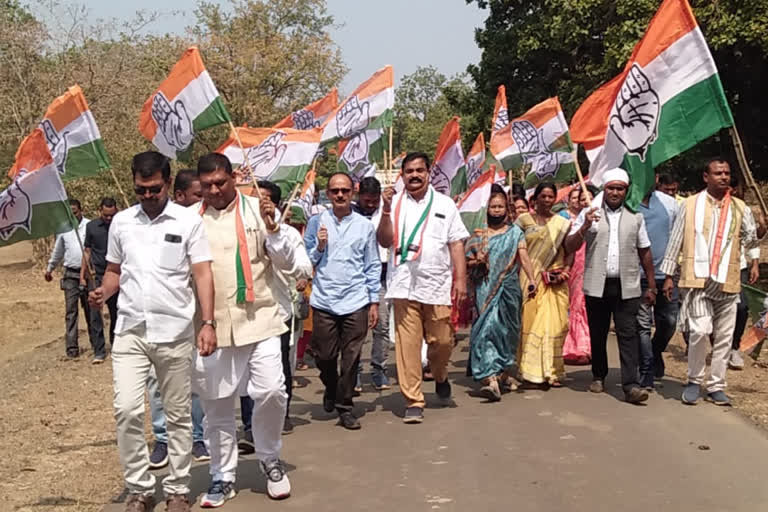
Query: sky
{"points": [[404, 33]]}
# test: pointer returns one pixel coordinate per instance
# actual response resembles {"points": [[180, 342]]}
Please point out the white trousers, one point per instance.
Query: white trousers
{"points": [[132, 357], [257, 369], [720, 326]]}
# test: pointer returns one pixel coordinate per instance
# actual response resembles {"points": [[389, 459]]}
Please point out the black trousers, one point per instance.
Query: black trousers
{"points": [[624, 313], [742, 313], [285, 352], [334, 335], [74, 298], [97, 321]]}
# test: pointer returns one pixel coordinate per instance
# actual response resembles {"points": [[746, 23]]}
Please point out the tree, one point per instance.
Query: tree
{"points": [[569, 47]]}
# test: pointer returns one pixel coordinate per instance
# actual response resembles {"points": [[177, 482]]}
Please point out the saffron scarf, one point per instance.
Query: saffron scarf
{"points": [[242, 258]]}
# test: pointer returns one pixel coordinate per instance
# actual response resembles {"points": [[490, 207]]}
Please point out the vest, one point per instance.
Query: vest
{"points": [[688, 277], [597, 256], [250, 322]]}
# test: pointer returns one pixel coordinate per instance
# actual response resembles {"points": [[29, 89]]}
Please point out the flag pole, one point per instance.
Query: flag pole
{"points": [[744, 166], [581, 176], [290, 200], [391, 155], [119, 188], [245, 160]]}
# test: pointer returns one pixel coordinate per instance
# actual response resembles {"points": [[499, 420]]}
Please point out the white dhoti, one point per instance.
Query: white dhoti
{"points": [[255, 370]]}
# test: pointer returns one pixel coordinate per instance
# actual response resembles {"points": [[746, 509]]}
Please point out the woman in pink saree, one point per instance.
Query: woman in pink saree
{"points": [[576, 350]]}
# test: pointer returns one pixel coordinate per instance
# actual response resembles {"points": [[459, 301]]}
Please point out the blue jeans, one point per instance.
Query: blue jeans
{"points": [[158, 413], [664, 316]]}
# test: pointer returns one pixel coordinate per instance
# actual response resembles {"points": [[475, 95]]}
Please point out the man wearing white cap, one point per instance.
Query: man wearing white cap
{"points": [[617, 245], [709, 232]]}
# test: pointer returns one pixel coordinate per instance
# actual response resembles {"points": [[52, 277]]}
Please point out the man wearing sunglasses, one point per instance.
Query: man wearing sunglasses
{"points": [[345, 294], [152, 249]]}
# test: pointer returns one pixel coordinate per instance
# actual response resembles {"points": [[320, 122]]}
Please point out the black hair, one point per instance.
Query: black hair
{"points": [[715, 160], [542, 186], [149, 163], [575, 189], [516, 198], [107, 202], [75, 202], [415, 155], [274, 190], [667, 179], [184, 179], [518, 190], [340, 173], [498, 190], [369, 185], [593, 190], [212, 162]]}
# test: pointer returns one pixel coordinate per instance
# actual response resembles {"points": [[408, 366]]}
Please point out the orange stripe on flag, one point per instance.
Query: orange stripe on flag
{"points": [[381, 80], [448, 138], [308, 182], [321, 107], [543, 112], [501, 102], [67, 107], [478, 146], [254, 136], [33, 154], [188, 68]]}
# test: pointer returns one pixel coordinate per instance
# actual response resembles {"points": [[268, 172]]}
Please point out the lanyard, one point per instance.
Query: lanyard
{"points": [[404, 247]]}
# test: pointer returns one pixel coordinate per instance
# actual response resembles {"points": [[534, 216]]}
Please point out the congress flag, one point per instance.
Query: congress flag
{"points": [[313, 115]]}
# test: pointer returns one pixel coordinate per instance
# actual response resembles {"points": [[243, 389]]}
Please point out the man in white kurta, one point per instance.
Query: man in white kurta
{"points": [[248, 326]]}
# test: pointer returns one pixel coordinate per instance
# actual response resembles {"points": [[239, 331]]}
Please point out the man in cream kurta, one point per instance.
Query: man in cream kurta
{"points": [[708, 232], [249, 326]]}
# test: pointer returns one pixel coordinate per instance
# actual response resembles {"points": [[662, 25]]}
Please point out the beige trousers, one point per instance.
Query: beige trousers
{"points": [[415, 322], [132, 357]]}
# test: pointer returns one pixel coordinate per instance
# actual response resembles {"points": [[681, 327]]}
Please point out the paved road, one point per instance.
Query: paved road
{"points": [[563, 449]]}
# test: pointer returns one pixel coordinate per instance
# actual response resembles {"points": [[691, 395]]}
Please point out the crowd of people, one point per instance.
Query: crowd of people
{"points": [[207, 297]]}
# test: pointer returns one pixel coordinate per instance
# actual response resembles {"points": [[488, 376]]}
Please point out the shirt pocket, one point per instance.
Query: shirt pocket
{"points": [[170, 255]]}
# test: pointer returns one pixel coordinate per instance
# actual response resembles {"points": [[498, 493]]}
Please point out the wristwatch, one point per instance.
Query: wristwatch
{"points": [[212, 323]]}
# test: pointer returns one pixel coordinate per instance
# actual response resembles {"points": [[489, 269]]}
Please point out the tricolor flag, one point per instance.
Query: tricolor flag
{"points": [[476, 160], [313, 115], [475, 203], [72, 136], [358, 155], [668, 99], [448, 172], [186, 103], [35, 204], [537, 143], [302, 205], [369, 107], [397, 162], [282, 156], [500, 112]]}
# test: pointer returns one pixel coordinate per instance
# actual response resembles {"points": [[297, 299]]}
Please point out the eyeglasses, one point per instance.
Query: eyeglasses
{"points": [[154, 190], [336, 191]]}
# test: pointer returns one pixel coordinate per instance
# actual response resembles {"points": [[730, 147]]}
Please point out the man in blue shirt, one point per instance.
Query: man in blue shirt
{"points": [[659, 211], [345, 294]]}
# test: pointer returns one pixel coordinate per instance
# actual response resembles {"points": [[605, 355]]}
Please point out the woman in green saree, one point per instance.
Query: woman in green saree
{"points": [[494, 257]]}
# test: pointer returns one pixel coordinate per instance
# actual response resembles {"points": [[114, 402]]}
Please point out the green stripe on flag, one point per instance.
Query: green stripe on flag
{"points": [[459, 182], [474, 220], [687, 119], [297, 215], [215, 114], [287, 177], [45, 219], [566, 173], [86, 160]]}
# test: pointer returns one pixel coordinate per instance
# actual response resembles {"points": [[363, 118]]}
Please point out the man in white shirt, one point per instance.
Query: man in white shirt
{"points": [[424, 231], [246, 244], [68, 251], [152, 250], [617, 246]]}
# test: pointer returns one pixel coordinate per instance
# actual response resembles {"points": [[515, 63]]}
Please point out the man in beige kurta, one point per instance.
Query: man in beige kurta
{"points": [[249, 327]]}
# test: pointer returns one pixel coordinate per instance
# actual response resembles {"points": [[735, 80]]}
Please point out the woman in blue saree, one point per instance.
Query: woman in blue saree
{"points": [[494, 257]]}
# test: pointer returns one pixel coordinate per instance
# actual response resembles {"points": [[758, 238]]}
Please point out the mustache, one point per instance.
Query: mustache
{"points": [[415, 180]]}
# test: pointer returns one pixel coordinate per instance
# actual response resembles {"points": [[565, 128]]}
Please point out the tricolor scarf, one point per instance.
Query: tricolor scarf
{"points": [[242, 258], [712, 251], [404, 248]]}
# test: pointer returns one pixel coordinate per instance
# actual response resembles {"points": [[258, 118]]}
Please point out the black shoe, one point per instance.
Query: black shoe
{"points": [[348, 421], [159, 456], [443, 389], [636, 395], [329, 404], [413, 415], [200, 452], [245, 445], [658, 368], [287, 426]]}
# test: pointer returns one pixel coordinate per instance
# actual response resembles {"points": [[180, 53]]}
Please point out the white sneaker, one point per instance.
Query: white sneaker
{"points": [[278, 485], [736, 361]]}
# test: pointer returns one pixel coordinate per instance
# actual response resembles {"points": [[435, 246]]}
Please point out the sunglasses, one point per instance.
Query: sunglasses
{"points": [[336, 191], [140, 191]]}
